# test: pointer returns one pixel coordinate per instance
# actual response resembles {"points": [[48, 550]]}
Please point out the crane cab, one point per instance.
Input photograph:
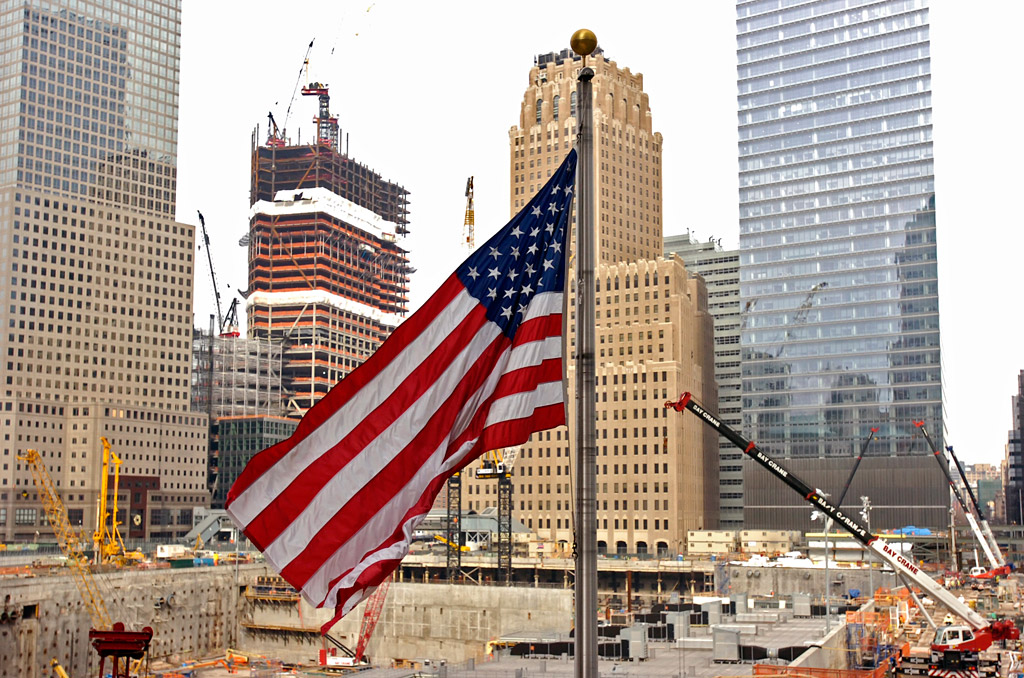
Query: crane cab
{"points": [[949, 637], [490, 469], [961, 638]]}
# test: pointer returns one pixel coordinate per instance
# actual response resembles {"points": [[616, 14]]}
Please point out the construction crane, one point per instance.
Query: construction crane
{"points": [[955, 647], [452, 529], [497, 464], [303, 70], [108, 542], [68, 540], [371, 615], [1004, 566], [213, 275], [70, 546], [984, 537], [326, 124], [274, 135], [469, 225]]}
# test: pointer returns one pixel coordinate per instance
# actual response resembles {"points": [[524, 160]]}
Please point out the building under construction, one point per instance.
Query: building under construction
{"points": [[234, 379], [327, 278]]}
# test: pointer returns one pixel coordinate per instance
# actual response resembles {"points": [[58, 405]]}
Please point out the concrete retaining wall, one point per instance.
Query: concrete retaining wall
{"points": [[192, 613], [435, 621], [763, 581]]}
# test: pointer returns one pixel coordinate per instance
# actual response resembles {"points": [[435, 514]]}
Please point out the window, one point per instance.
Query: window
{"points": [[572, 106], [25, 516], [540, 105], [554, 107]]}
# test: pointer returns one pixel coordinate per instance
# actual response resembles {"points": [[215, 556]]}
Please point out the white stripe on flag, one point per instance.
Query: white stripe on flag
{"points": [[521, 405], [545, 303], [264, 490]]}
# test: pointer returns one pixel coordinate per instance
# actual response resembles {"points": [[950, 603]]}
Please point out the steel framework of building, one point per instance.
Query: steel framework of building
{"points": [[246, 376]]}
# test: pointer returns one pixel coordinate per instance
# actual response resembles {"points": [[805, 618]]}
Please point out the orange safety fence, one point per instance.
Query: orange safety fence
{"points": [[808, 672]]}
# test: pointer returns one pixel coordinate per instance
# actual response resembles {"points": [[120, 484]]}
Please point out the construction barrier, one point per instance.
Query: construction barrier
{"points": [[807, 672]]}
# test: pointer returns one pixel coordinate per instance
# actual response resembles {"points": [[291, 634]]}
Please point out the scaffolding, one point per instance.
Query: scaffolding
{"points": [[246, 376]]}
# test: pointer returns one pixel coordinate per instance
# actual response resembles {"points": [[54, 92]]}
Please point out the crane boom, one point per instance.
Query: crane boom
{"points": [[856, 464], [213, 276], [984, 537], [986, 530], [68, 541], [371, 615], [815, 497]]}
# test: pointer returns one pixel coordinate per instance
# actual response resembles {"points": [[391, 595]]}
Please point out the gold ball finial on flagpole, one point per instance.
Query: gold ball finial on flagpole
{"points": [[583, 42]]}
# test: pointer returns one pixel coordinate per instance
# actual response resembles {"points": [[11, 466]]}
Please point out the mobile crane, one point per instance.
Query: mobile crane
{"points": [[983, 534], [955, 647]]}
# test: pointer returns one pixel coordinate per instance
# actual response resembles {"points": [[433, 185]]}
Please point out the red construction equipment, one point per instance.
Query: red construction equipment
{"points": [[371, 615], [954, 651]]}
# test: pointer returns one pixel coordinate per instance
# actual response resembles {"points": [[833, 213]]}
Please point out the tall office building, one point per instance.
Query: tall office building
{"points": [[838, 252], [1013, 463], [721, 272], [95, 273], [328, 279], [656, 478]]}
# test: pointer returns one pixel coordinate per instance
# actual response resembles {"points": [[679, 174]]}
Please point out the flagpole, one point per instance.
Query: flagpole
{"points": [[584, 42]]}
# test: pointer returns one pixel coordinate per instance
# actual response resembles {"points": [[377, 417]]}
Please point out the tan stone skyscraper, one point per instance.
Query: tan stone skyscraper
{"points": [[655, 479], [627, 152], [95, 272]]}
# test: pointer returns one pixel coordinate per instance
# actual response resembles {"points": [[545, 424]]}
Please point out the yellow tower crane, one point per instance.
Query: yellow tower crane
{"points": [[469, 226], [68, 541]]}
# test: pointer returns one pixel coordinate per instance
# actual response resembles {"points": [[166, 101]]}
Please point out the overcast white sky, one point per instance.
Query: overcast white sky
{"points": [[427, 92]]}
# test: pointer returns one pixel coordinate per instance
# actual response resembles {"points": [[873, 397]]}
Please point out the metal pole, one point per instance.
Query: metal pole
{"points": [[584, 42], [828, 589]]}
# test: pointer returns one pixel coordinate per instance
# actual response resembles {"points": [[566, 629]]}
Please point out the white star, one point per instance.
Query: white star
{"points": [[556, 246], [534, 231], [532, 249], [493, 273], [509, 293], [568, 189], [491, 293], [527, 290], [495, 253], [506, 313], [530, 270], [515, 252], [548, 264], [550, 228], [522, 309], [536, 211], [472, 273], [553, 207], [556, 189], [516, 232], [513, 275]]}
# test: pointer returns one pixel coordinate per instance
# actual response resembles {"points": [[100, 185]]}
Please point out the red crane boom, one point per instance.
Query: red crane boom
{"points": [[371, 615]]}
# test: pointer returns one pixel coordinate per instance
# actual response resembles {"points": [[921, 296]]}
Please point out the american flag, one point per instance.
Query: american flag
{"points": [[477, 367]]}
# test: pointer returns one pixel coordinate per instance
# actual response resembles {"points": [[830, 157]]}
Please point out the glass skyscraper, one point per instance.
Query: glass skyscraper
{"points": [[840, 328]]}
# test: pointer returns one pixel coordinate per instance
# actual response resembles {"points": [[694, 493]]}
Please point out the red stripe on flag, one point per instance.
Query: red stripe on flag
{"points": [[337, 397], [290, 503], [371, 498], [537, 329], [518, 431]]}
